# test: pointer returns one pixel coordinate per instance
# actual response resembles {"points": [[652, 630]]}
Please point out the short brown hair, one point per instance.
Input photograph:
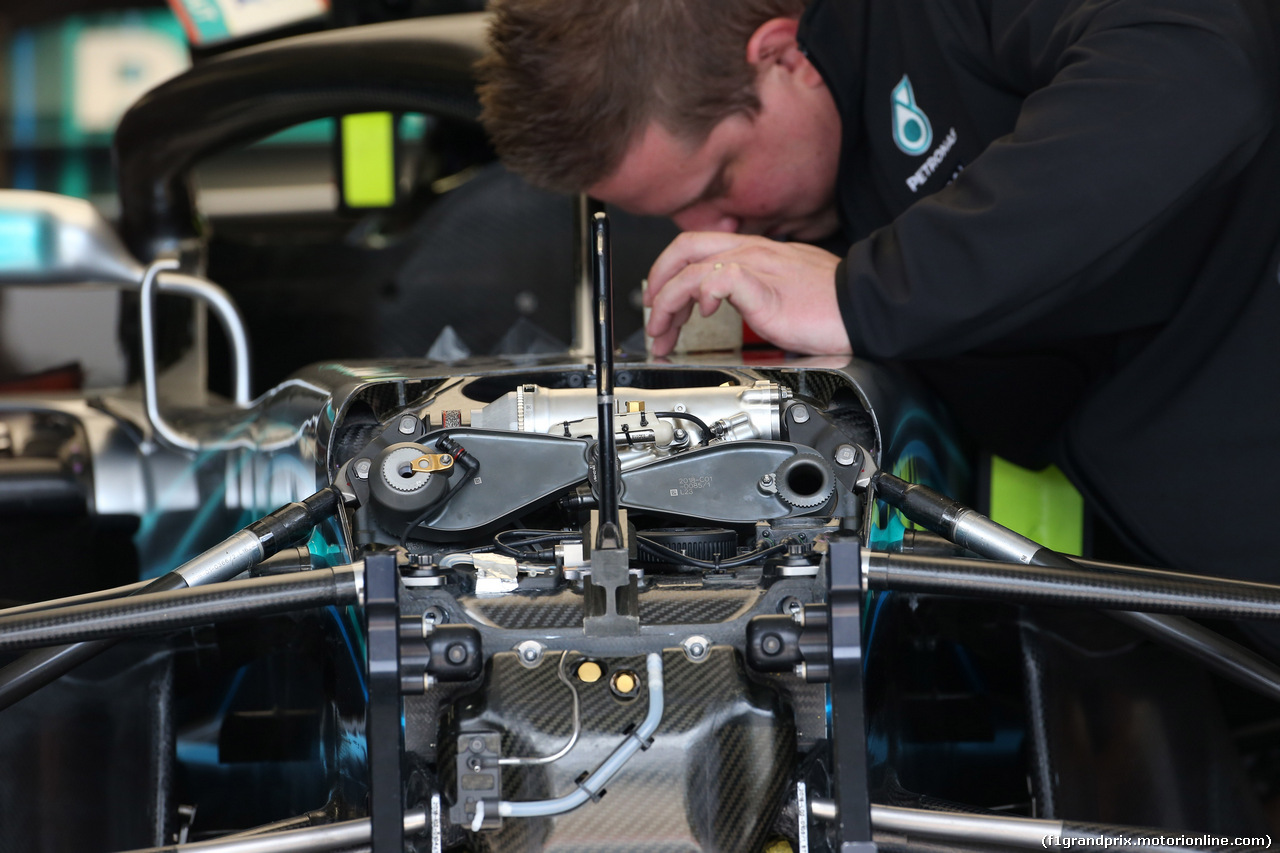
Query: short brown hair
{"points": [[569, 83]]}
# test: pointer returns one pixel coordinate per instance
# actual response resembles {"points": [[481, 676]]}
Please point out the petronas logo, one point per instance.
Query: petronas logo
{"points": [[912, 132]]}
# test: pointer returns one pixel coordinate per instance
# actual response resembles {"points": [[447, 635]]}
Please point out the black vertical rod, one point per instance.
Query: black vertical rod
{"points": [[607, 451], [383, 712], [848, 714], [584, 208]]}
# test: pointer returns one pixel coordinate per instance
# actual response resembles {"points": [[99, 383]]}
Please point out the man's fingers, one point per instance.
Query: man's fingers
{"points": [[665, 341], [675, 300], [691, 247]]}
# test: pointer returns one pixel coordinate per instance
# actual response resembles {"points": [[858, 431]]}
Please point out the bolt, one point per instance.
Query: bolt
{"points": [[769, 483], [408, 425], [846, 455], [446, 459], [530, 652], [771, 645], [476, 745], [679, 435], [792, 606], [432, 616], [696, 647], [475, 765], [362, 468], [457, 653], [799, 413]]}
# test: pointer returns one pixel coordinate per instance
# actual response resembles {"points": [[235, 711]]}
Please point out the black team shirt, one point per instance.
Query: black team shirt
{"points": [[1065, 216]]}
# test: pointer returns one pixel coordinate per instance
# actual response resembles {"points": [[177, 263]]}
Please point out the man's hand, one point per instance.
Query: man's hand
{"points": [[786, 292]]}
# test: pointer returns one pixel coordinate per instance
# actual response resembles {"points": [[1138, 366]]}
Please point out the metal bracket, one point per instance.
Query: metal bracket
{"points": [[848, 726], [432, 462]]}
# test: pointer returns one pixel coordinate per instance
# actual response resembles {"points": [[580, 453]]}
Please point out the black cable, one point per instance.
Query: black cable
{"points": [[181, 608], [707, 434], [440, 501], [660, 550], [462, 459], [533, 537]]}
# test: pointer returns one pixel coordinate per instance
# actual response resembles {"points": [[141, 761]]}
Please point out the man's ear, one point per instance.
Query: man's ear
{"points": [[774, 43]]}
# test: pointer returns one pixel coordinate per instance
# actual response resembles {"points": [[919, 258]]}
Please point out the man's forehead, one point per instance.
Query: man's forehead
{"points": [[660, 173]]}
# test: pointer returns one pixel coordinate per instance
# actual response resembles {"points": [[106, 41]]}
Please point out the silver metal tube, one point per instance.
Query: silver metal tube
{"points": [[573, 738], [954, 826], [222, 562], [823, 809], [319, 839], [983, 536], [150, 370], [228, 313], [161, 276], [288, 823]]}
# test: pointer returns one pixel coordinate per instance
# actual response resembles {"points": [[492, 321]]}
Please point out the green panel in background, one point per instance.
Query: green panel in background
{"points": [[368, 160], [1041, 505]]}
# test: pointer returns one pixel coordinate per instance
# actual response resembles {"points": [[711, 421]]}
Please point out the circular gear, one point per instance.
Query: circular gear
{"points": [[805, 481], [397, 469]]}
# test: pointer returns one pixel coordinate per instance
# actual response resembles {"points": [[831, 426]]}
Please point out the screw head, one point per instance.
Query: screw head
{"points": [[476, 744], [792, 606], [771, 644], [696, 648], [799, 413], [362, 468], [530, 652], [846, 454], [456, 653], [408, 424]]}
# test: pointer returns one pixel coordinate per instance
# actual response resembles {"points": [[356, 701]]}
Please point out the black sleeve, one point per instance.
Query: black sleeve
{"points": [[1144, 106]]}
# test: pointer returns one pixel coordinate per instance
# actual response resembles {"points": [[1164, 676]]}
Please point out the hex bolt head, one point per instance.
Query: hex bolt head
{"points": [[771, 644], [846, 455], [408, 425], [457, 653], [799, 413], [696, 648], [530, 652], [362, 468]]}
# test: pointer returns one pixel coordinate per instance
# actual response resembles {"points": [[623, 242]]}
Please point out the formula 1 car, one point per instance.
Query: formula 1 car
{"points": [[554, 603]]}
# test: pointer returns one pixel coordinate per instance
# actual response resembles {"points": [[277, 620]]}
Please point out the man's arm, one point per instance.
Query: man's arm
{"points": [[785, 291]]}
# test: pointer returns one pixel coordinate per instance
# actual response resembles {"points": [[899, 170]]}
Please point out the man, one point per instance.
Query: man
{"points": [[1063, 214]]}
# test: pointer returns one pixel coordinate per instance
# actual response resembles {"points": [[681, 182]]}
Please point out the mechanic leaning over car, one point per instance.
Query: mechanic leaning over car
{"points": [[1064, 215]]}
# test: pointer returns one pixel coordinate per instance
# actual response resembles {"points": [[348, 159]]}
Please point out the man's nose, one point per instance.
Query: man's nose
{"points": [[706, 219]]}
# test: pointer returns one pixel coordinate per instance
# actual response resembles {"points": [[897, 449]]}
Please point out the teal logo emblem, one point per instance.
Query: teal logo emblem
{"points": [[912, 132]]}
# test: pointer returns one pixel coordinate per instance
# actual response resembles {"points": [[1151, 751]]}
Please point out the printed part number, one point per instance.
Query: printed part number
{"points": [[688, 485]]}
